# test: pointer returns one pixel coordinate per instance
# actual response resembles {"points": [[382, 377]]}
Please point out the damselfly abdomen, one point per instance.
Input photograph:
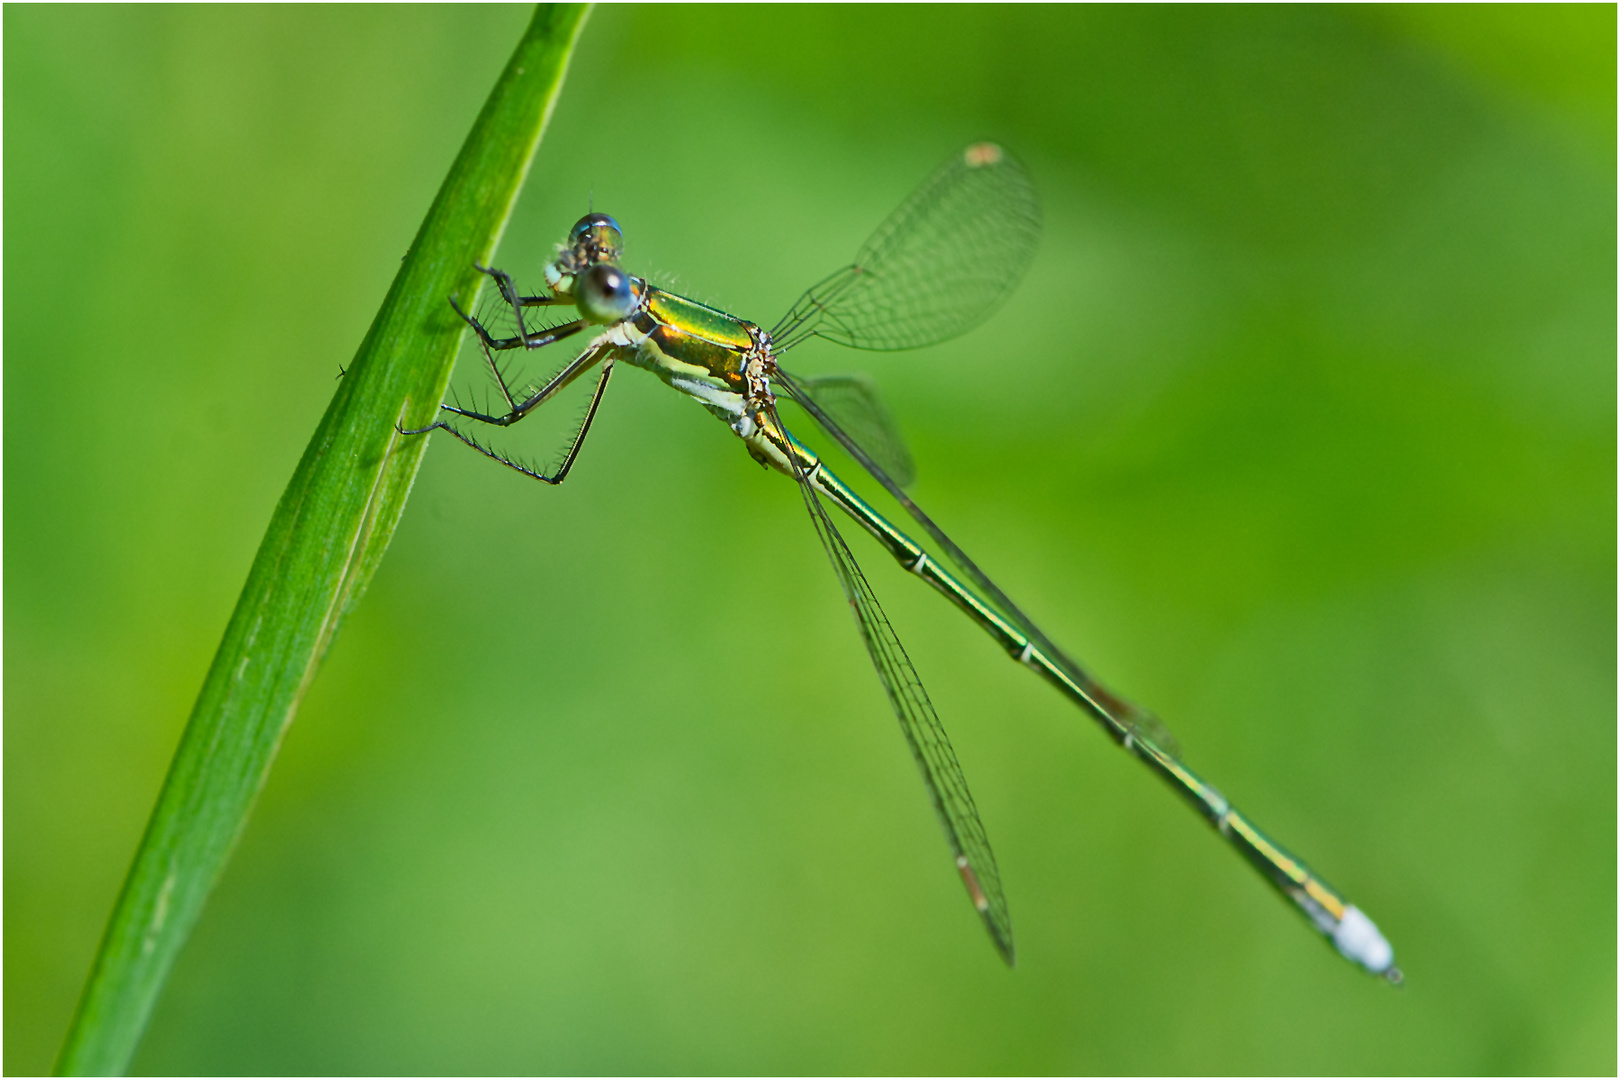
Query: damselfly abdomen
{"points": [[938, 266]]}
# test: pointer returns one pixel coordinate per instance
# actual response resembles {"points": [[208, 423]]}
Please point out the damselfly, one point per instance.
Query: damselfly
{"points": [[938, 266]]}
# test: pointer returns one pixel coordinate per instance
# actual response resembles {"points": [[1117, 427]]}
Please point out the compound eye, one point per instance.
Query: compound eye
{"points": [[603, 293], [589, 222], [596, 237]]}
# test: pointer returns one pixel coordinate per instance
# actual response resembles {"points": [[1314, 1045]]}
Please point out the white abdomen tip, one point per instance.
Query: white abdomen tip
{"points": [[1359, 940]]}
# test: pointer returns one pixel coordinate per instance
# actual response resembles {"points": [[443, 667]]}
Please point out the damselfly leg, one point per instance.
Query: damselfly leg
{"points": [[517, 410], [561, 472], [523, 340]]}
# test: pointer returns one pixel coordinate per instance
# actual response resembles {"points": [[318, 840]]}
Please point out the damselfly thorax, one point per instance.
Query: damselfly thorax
{"points": [[722, 362]]}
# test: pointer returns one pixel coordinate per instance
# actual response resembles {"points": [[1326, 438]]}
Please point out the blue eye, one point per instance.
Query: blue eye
{"points": [[603, 293], [595, 238], [593, 221]]}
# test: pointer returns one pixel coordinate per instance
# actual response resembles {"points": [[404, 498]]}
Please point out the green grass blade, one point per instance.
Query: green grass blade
{"points": [[325, 539]]}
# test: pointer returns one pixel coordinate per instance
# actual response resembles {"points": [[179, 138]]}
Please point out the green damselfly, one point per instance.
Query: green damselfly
{"points": [[938, 266]]}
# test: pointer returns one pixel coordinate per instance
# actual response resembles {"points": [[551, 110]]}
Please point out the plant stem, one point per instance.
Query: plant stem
{"points": [[324, 542]]}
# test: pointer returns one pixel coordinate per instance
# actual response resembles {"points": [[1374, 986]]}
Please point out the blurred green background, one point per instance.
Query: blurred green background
{"points": [[1301, 431]]}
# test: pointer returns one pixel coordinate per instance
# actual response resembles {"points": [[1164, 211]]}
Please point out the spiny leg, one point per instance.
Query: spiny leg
{"points": [[563, 378], [508, 291], [568, 460], [524, 340], [503, 282], [500, 376], [500, 381]]}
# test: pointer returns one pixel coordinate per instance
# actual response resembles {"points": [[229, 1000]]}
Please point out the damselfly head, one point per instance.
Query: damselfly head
{"points": [[595, 238], [594, 242]]}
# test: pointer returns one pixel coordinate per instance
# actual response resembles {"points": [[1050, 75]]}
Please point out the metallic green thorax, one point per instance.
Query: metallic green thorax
{"points": [[695, 349], [722, 361]]}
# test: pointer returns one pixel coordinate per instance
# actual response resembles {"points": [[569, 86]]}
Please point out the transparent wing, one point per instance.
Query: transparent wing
{"points": [[925, 735], [853, 403], [1141, 721], [937, 267]]}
